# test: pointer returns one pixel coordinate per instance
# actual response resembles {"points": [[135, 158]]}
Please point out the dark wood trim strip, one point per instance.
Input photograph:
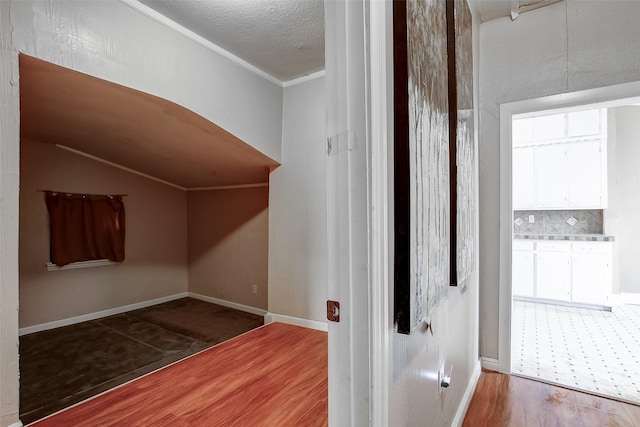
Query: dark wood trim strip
{"points": [[453, 134], [402, 216]]}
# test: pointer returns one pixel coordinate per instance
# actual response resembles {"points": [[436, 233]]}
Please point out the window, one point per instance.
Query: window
{"points": [[85, 227]]}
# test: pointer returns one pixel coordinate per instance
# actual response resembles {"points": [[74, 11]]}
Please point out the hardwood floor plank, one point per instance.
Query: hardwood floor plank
{"points": [[273, 376], [62, 366], [504, 400]]}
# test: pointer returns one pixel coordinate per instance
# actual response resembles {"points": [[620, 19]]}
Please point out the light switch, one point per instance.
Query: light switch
{"points": [[532, 219]]}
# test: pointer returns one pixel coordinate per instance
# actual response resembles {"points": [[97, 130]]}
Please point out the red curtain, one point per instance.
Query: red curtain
{"points": [[85, 227]]}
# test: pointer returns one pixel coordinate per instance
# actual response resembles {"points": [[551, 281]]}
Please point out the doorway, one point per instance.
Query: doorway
{"points": [[572, 302]]}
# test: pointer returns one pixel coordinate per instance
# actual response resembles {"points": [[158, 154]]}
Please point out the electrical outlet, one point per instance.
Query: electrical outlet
{"points": [[444, 380], [255, 289], [532, 219]]}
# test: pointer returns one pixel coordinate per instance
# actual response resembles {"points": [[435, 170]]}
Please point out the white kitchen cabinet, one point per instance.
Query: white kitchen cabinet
{"points": [[570, 271], [551, 176], [572, 175], [562, 159], [585, 162], [549, 127], [523, 269], [586, 123], [523, 178], [553, 271], [591, 274], [522, 132]]}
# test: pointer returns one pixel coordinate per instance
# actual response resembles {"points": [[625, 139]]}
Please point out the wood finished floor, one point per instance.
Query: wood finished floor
{"points": [[275, 375], [63, 366], [504, 400]]}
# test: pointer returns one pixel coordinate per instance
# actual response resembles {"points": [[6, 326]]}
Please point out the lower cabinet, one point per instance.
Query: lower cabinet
{"points": [[562, 270], [522, 267], [591, 271], [553, 271]]}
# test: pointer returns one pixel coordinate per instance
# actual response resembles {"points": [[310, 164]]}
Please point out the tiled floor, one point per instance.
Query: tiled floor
{"points": [[595, 351]]}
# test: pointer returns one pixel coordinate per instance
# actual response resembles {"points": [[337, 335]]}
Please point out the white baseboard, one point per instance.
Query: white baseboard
{"points": [[468, 395], [18, 424], [297, 321], [241, 307], [98, 314], [490, 364], [269, 317], [628, 298]]}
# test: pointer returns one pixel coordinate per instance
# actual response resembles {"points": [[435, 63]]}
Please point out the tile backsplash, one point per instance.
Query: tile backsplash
{"points": [[558, 222]]}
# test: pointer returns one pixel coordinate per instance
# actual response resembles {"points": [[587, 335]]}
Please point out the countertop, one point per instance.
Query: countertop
{"points": [[570, 237]]}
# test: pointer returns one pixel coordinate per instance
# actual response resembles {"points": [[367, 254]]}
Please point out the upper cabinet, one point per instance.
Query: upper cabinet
{"points": [[560, 161], [587, 177], [550, 176], [523, 181]]}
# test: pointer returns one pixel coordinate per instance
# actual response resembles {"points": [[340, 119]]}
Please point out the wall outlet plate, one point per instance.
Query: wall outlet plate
{"points": [[532, 219]]}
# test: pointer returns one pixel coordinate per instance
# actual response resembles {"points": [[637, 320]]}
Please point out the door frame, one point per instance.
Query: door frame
{"points": [[609, 96], [359, 169]]}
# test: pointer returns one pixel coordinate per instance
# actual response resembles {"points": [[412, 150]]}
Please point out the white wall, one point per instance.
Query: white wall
{"points": [[453, 344], [414, 387], [228, 244], [565, 47], [9, 184], [621, 218], [155, 264], [360, 201], [112, 41], [297, 208]]}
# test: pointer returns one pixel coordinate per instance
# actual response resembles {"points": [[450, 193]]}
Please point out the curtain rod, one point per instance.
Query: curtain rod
{"points": [[82, 194]]}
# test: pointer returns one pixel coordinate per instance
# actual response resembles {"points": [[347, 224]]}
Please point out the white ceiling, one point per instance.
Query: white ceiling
{"points": [[284, 38]]}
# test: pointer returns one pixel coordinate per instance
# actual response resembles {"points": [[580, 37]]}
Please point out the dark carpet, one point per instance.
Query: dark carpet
{"points": [[63, 366]]}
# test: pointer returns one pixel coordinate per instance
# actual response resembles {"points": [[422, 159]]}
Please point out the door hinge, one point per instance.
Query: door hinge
{"points": [[333, 311]]}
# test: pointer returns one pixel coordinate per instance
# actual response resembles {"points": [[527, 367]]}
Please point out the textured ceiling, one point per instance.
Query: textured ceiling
{"points": [[132, 129], [284, 38]]}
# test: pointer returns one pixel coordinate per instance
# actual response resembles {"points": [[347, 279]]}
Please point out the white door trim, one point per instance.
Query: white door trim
{"points": [[9, 216], [610, 96], [506, 235], [380, 261], [348, 209]]}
